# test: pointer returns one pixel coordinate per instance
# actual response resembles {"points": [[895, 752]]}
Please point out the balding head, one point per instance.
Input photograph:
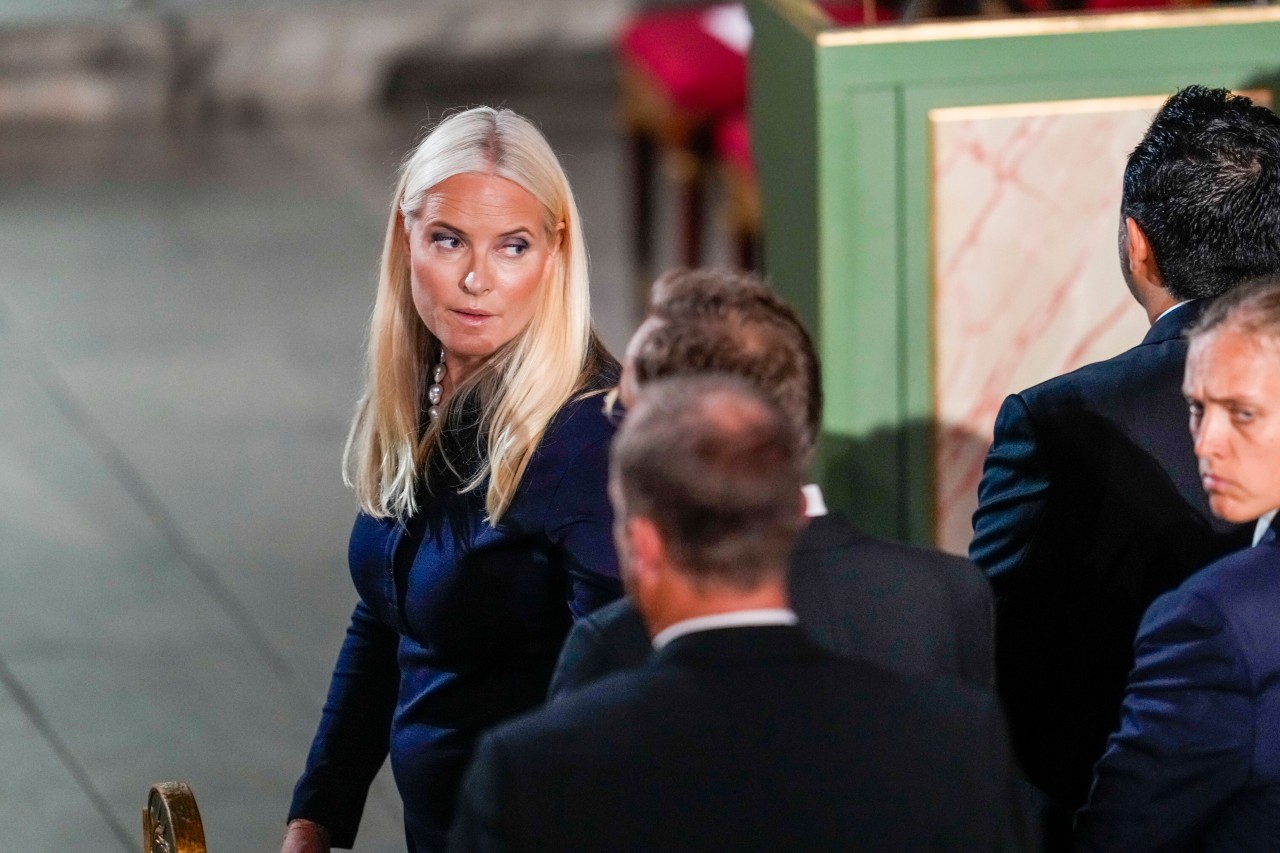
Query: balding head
{"points": [[717, 469]]}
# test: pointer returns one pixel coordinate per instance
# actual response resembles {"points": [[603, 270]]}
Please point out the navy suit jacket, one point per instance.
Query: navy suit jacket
{"points": [[1090, 506], [747, 739], [1196, 763], [911, 610]]}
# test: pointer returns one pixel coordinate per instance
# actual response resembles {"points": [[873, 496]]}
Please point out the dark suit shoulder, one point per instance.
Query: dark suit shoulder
{"points": [[951, 568], [914, 610], [616, 619], [604, 641], [742, 739], [719, 663], [1144, 369], [1244, 582]]}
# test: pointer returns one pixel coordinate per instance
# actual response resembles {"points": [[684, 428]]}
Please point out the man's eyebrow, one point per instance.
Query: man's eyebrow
{"points": [[1237, 399]]}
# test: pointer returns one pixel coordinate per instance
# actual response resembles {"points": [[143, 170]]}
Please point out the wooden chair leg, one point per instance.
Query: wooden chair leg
{"points": [[692, 202], [643, 162]]}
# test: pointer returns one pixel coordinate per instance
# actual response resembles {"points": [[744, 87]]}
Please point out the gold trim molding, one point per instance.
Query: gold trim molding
{"points": [[1046, 25], [1080, 106]]}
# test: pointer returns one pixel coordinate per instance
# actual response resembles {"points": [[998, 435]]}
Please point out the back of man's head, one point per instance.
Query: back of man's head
{"points": [[716, 468], [716, 321], [1204, 186]]}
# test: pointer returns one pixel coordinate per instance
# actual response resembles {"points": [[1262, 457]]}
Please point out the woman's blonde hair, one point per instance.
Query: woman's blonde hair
{"points": [[517, 390]]}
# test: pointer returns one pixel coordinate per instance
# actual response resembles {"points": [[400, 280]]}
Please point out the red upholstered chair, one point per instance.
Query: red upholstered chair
{"points": [[683, 71], [677, 80]]}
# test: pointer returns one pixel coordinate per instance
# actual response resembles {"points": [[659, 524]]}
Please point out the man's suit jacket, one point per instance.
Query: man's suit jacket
{"points": [[911, 610], [1090, 506], [1196, 763], [747, 739]]}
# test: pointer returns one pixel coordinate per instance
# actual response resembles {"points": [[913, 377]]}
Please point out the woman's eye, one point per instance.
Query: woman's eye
{"points": [[444, 240], [1243, 416], [515, 248]]}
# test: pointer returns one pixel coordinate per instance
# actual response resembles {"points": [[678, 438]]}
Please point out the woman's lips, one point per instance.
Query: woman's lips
{"points": [[471, 318]]}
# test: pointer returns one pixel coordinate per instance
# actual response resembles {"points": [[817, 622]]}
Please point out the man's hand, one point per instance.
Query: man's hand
{"points": [[305, 836]]}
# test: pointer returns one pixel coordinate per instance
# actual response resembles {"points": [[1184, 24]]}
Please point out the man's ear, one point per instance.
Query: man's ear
{"points": [[645, 549], [1142, 260]]}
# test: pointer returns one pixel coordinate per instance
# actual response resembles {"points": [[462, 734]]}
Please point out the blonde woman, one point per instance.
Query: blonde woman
{"points": [[479, 458]]}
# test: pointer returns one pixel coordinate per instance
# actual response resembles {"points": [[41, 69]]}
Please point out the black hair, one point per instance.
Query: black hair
{"points": [[1204, 186]]}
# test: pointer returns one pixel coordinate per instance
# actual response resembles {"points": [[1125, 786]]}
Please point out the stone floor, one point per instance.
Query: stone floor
{"points": [[181, 319]]}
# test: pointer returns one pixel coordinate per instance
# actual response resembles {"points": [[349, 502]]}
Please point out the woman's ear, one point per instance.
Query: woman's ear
{"points": [[557, 239]]}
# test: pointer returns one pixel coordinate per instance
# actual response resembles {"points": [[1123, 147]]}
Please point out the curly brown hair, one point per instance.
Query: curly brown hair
{"points": [[719, 321]]}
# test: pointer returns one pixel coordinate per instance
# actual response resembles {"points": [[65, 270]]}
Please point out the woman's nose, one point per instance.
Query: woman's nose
{"points": [[476, 281]]}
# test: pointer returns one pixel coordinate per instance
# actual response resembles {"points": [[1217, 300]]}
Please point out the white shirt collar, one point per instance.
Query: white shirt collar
{"points": [[1168, 311], [1260, 529], [814, 504], [733, 619]]}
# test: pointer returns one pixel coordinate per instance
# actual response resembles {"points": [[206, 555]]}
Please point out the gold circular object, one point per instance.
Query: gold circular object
{"points": [[171, 821]]}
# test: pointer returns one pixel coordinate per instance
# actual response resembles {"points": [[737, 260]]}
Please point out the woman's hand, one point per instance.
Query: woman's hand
{"points": [[305, 836]]}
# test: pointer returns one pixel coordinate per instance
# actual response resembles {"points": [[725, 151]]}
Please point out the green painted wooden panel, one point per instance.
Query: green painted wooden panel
{"points": [[861, 273], [787, 93]]}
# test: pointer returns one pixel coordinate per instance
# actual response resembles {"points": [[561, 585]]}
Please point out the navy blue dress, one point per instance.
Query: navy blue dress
{"points": [[458, 627]]}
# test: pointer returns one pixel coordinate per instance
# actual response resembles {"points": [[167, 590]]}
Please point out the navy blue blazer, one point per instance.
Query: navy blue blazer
{"points": [[1090, 506], [458, 627], [913, 611], [748, 739], [1196, 763]]}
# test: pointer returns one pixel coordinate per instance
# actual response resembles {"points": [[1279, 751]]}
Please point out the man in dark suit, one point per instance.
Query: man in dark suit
{"points": [[1196, 762], [1090, 505], [912, 610], [740, 734]]}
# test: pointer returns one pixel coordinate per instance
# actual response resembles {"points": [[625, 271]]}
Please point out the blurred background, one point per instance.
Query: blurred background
{"points": [[192, 201]]}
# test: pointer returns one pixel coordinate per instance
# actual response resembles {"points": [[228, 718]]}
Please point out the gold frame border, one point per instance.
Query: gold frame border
{"points": [[1047, 25], [1070, 106]]}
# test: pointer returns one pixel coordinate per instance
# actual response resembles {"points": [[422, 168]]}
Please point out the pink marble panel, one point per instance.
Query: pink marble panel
{"points": [[1027, 282]]}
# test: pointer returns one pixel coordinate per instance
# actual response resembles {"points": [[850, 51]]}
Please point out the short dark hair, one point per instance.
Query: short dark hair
{"points": [[1204, 186], [1253, 307], [719, 321], [717, 469]]}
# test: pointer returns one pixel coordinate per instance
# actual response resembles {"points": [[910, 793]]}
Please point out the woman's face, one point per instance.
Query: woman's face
{"points": [[492, 229], [1232, 386]]}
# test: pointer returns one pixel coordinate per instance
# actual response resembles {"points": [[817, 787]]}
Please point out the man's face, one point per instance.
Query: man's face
{"points": [[1232, 387], [627, 388]]}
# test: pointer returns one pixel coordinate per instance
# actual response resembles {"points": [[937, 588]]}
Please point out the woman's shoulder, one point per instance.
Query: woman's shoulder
{"points": [[586, 416], [574, 450]]}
